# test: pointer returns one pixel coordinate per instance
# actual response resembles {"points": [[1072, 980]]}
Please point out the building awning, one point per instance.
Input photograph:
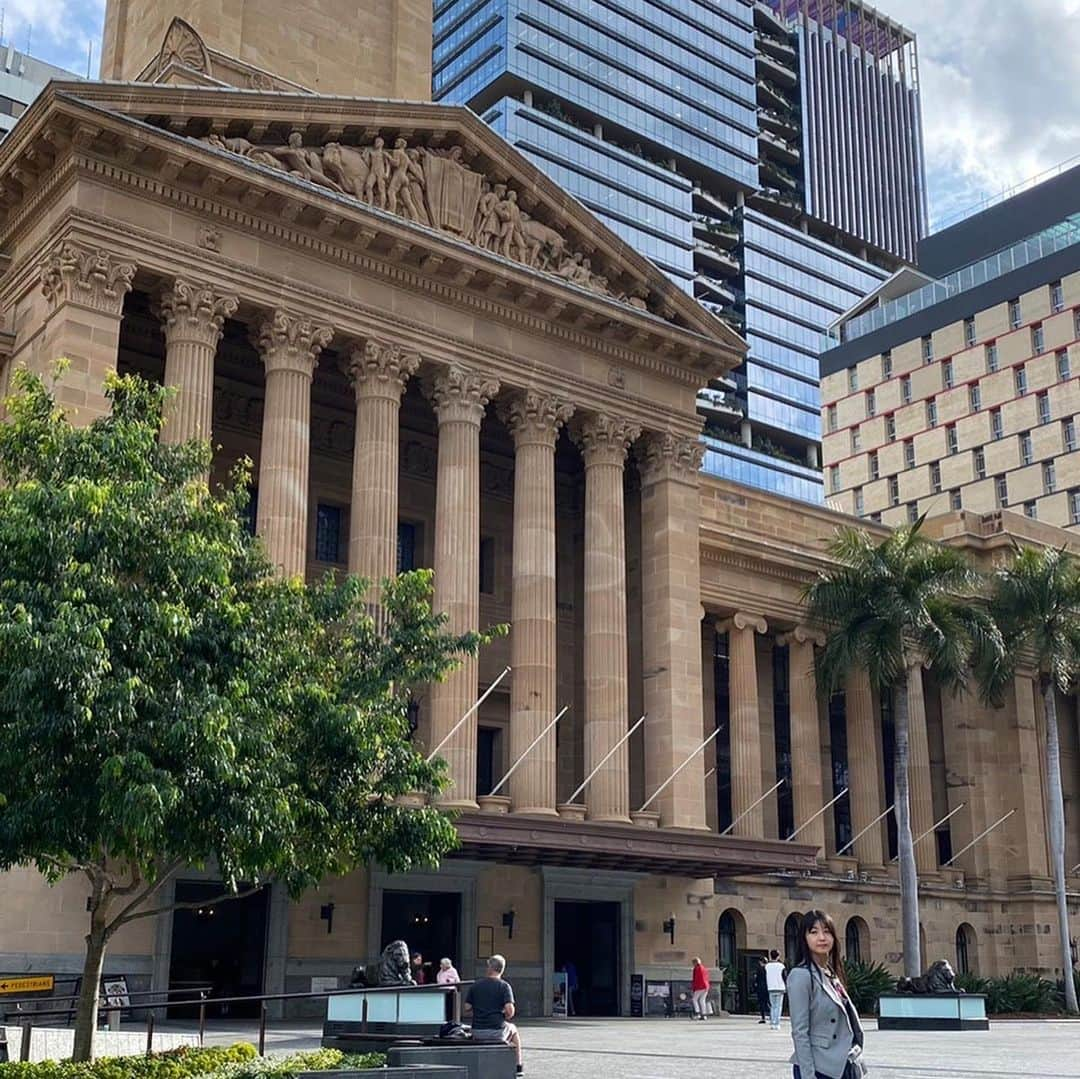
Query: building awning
{"points": [[524, 840]]}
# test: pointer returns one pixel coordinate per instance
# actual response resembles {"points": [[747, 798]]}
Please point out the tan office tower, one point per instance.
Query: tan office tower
{"points": [[366, 48]]}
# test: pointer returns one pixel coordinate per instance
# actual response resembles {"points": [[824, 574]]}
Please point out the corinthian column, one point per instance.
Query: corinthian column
{"points": [[865, 779], [805, 737], [194, 316], [671, 625], [534, 420], [919, 785], [379, 373], [604, 441], [290, 347], [460, 397], [745, 721]]}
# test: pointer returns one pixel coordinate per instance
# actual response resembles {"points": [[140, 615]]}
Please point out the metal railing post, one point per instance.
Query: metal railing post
{"points": [[202, 1018], [262, 1028], [24, 1045], [150, 1032]]}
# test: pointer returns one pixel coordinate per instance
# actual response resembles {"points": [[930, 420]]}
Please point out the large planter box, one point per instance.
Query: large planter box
{"points": [[407, 1071], [932, 1011], [480, 1061]]}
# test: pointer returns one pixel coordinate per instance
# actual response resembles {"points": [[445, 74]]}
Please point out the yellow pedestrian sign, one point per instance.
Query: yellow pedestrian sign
{"points": [[42, 983]]}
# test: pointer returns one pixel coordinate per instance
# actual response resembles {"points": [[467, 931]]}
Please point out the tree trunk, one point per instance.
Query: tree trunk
{"points": [[87, 1012], [905, 848], [1056, 814]]}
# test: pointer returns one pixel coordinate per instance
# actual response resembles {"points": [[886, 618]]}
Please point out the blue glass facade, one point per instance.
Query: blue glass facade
{"points": [[729, 461]]}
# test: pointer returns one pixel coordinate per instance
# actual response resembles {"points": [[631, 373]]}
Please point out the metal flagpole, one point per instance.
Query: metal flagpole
{"points": [[535, 742], [670, 778], [752, 807], [810, 820], [606, 757], [938, 825], [986, 832], [454, 729], [876, 820]]}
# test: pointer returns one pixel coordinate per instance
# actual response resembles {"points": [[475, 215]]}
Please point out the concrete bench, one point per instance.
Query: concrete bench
{"points": [[480, 1061]]}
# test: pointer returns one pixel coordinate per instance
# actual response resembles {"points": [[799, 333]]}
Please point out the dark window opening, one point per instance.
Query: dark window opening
{"points": [[841, 811], [487, 758], [785, 804], [888, 751], [721, 667], [406, 547], [487, 566], [250, 514], [792, 927], [328, 533], [944, 845]]}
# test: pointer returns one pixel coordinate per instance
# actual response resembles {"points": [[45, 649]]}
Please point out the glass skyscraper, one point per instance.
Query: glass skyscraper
{"points": [[699, 131]]}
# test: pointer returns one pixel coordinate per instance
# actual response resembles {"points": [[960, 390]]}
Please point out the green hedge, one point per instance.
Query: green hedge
{"points": [[865, 983], [1026, 994]]}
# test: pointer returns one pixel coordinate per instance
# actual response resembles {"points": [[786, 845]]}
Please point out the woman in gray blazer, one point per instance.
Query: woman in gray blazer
{"points": [[825, 1027]]}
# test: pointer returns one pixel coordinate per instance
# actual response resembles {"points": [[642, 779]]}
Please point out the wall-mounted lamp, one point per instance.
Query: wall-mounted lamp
{"points": [[508, 922], [326, 912], [669, 928]]}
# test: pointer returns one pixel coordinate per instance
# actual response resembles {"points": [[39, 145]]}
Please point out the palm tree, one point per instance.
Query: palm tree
{"points": [[1036, 603], [884, 604]]}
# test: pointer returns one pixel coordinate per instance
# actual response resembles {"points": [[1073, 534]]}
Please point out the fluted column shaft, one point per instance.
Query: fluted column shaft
{"points": [[745, 722], [806, 773], [290, 347], [534, 420], [604, 441], [379, 373], [865, 780], [671, 625], [919, 784], [194, 317], [1028, 827], [459, 397]]}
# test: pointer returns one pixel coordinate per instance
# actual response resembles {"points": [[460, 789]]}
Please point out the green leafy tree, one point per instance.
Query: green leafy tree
{"points": [[884, 604], [167, 701], [1036, 603]]}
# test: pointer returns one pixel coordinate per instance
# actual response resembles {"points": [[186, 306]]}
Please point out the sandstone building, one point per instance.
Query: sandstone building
{"points": [[435, 357]]}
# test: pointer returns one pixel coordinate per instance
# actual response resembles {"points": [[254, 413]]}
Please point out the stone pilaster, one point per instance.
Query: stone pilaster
{"points": [[378, 373], [193, 317], [806, 770], [745, 723], [459, 397], [604, 442], [290, 347], [1027, 828], [919, 782], [534, 420], [84, 289], [865, 778], [671, 625]]}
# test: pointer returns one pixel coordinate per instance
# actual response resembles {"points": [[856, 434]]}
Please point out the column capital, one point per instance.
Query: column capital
{"points": [[88, 276], [377, 369], [290, 342], [748, 620], [666, 456], [604, 439], [534, 417], [802, 635], [459, 394], [191, 311]]}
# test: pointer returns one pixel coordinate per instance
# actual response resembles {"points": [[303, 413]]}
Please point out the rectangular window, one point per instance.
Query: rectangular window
{"points": [[935, 477], [406, 547], [873, 469], [1016, 316], [951, 441], [1027, 452], [860, 506], [871, 404], [328, 533], [927, 349], [1074, 507], [947, 374], [980, 463], [1029, 511], [1049, 477], [852, 379], [997, 428], [1001, 490], [1063, 368], [856, 440], [956, 502], [832, 417], [969, 331], [931, 412], [1057, 297], [1068, 434], [876, 517], [1076, 323], [1042, 401], [905, 389], [912, 512], [487, 566], [909, 453], [886, 365], [991, 358], [890, 427], [250, 513], [894, 491], [974, 397], [1020, 381], [1038, 341], [834, 478]]}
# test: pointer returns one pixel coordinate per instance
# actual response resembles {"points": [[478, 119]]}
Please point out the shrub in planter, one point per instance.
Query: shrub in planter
{"points": [[865, 983], [287, 1067], [184, 1063]]}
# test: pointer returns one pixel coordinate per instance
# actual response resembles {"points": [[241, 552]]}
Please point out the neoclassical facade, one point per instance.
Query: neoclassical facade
{"points": [[434, 357]]}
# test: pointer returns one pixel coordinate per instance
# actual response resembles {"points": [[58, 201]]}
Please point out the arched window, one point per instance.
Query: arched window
{"points": [[731, 938], [966, 959], [791, 939], [857, 941]]}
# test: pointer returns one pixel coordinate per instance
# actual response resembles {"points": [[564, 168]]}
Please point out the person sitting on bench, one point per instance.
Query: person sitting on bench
{"points": [[491, 1001]]}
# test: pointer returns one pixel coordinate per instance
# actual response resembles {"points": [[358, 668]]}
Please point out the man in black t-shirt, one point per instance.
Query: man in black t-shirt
{"points": [[491, 1001]]}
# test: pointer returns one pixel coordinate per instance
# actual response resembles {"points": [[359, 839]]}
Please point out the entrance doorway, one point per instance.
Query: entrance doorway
{"points": [[428, 922], [587, 935], [223, 946]]}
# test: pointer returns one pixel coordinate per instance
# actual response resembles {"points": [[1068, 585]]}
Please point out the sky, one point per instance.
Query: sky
{"points": [[1000, 83]]}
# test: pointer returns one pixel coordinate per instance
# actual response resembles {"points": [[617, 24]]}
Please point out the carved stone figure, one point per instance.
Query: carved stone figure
{"points": [[545, 245], [940, 978], [347, 167], [392, 969], [402, 171], [487, 224], [378, 163], [300, 161]]}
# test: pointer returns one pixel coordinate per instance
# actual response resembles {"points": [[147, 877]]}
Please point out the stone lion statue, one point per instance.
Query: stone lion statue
{"points": [[391, 969], [940, 978]]}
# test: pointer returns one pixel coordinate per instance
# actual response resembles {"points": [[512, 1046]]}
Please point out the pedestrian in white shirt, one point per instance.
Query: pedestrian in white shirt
{"points": [[775, 978]]}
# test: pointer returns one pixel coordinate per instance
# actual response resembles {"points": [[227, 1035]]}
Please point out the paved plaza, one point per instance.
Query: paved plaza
{"points": [[738, 1048]]}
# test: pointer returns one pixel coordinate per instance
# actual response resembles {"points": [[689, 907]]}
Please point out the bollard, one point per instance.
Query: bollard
{"points": [[262, 1028], [24, 1045], [150, 1033]]}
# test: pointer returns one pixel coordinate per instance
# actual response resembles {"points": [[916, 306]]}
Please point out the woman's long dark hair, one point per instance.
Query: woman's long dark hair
{"points": [[803, 956]]}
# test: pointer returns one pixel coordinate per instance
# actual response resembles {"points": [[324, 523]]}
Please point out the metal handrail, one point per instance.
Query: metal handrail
{"points": [[130, 995]]}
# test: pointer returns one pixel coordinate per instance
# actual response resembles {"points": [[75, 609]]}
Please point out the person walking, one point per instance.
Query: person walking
{"points": [[571, 986], [825, 1027], [491, 1001], [775, 977], [761, 989], [699, 989]]}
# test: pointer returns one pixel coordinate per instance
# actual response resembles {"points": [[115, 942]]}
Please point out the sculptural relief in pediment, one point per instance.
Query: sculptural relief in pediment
{"points": [[436, 188]]}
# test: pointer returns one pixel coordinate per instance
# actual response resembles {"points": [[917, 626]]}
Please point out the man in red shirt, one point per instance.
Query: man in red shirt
{"points": [[699, 986]]}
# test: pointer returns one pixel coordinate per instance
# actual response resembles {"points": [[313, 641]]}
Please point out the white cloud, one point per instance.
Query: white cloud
{"points": [[58, 31]]}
